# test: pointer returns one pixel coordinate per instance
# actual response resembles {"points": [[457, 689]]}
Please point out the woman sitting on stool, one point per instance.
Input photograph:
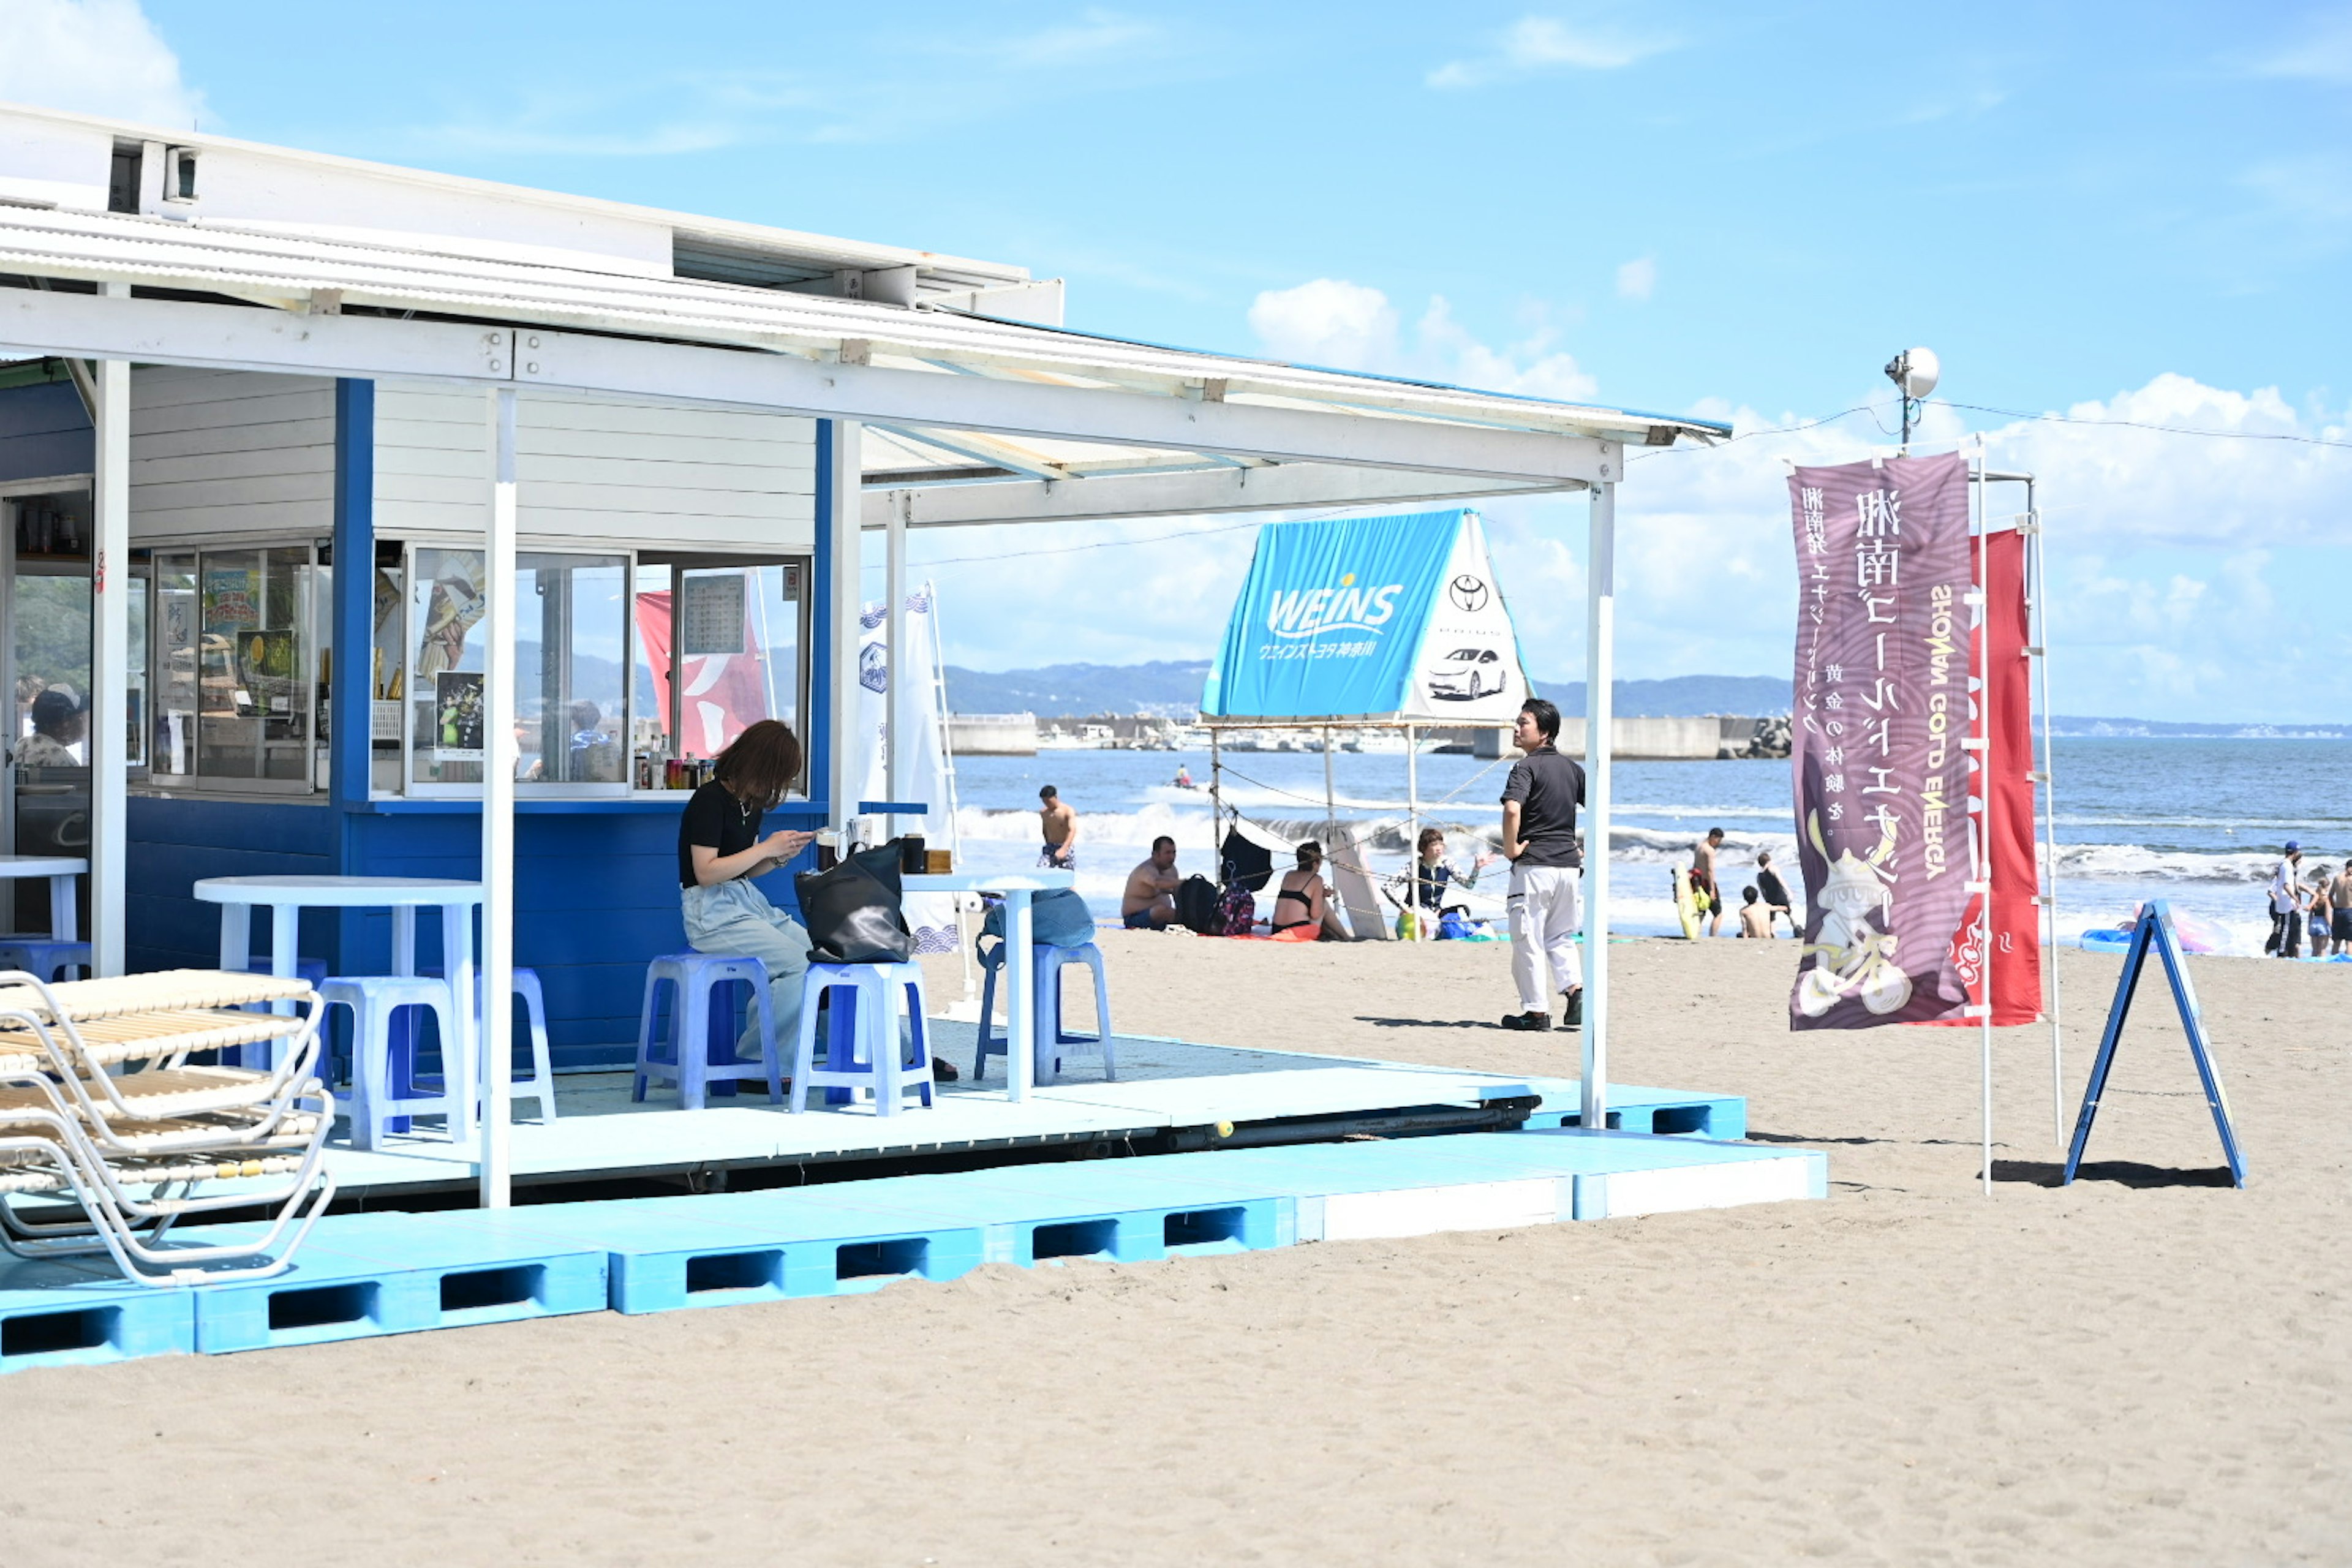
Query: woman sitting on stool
{"points": [[719, 850], [1303, 901]]}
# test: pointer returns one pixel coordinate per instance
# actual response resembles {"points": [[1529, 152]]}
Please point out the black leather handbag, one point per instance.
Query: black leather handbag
{"points": [[852, 912]]}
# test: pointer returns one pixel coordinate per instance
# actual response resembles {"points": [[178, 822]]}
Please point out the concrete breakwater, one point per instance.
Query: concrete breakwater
{"points": [[1702, 738]]}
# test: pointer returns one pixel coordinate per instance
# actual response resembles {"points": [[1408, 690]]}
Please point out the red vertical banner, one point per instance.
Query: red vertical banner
{"points": [[2006, 786], [1880, 773]]}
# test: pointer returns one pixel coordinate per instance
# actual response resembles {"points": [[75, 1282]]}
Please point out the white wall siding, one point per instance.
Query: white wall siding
{"points": [[601, 468], [230, 452]]}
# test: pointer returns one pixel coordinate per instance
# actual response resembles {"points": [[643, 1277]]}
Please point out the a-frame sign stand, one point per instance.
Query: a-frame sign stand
{"points": [[2155, 931]]}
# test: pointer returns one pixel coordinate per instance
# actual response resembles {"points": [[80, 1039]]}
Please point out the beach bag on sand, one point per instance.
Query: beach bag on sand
{"points": [[852, 912], [1056, 919], [1197, 907], [1237, 911]]}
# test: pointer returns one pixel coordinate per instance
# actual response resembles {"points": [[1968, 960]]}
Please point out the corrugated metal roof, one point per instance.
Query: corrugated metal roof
{"points": [[302, 272]]}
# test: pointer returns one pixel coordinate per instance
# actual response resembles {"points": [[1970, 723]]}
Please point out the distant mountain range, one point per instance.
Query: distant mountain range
{"points": [[1165, 689], [1170, 689]]}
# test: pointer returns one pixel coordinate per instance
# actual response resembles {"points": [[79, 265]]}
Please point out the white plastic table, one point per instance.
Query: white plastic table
{"points": [[287, 897], [61, 870], [1020, 1007]]}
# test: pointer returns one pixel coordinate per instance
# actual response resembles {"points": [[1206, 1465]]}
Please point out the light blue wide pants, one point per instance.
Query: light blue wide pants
{"points": [[736, 918]]}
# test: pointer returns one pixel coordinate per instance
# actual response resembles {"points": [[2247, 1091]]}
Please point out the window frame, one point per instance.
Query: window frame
{"points": [[319, 631], [676, 563]]}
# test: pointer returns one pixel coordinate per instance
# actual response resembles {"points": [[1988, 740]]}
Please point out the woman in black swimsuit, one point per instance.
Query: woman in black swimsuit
{"points": [[1301, 899]]}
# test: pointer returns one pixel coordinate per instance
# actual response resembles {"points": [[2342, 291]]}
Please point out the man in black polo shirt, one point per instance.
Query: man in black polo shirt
{"points": [[1539, 804]]}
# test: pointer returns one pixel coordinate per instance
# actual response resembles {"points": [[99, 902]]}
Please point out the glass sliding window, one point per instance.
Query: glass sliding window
{"points": [[174, 751], [388, 669], [446, 602], [571, 664], [254, 663], [650, 746], [736, 652], [137, 711], [720, 645]]}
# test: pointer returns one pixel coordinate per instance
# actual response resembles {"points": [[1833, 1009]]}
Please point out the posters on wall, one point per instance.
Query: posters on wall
{"points": [[458, 716], [1882, 707]]}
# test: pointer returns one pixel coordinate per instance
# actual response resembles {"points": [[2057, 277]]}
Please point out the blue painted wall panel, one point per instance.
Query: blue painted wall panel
{"points": [[44, 430]]}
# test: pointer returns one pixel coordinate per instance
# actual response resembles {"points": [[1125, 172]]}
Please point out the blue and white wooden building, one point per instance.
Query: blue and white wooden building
{"points": [[347, 491]]}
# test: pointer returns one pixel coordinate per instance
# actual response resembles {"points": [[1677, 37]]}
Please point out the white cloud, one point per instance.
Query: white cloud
{"points": [[1540, 44], [1351, 326], [94, 57], [2176, 559], [1328, 322], [1638, 279], [1096, 35], [2324, 53]]}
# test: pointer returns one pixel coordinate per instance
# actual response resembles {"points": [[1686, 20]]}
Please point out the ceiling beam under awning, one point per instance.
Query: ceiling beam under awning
{"points": [[170, 332], [1279, 487]]}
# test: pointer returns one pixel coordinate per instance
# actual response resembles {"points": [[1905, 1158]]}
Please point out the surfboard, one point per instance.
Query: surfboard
{"points": [[1685, 904]]}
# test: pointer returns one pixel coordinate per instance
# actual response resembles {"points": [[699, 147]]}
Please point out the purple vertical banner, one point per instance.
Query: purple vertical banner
{"points": [[1882, 706]]}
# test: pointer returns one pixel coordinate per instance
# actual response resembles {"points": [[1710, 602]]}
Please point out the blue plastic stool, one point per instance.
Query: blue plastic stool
{"points": [[701, 1035], [41, 956], [1045, 991], [541, 1085], [386, 1092], [862, 1047]]}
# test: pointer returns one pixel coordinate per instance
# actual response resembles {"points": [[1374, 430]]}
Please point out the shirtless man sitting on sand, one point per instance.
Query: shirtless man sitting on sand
{"points": [[1150, 901], [1061, 826]]}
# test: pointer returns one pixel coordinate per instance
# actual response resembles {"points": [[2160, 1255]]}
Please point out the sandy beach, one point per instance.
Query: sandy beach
{"points": [[2148, 1367]]}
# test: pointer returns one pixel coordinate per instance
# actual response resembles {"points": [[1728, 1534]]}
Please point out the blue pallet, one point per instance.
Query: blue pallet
{"points": [[1633, 1109], [362, 1275], [75, 1313], [728, 1248], [1071, 1214]]}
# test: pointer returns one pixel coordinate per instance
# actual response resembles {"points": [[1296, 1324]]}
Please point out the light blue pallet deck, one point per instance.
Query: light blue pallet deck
{"points": [[1079, 1109], [67, 1313], [367, 1274], [358, 1276]]}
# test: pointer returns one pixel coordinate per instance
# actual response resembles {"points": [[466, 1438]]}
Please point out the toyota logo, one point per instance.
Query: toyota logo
{"points": [[1469, 593]]}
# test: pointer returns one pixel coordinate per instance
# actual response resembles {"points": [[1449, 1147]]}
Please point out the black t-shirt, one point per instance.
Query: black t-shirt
{"points": [[1768, 883], [1548, 788], [716, 820]]}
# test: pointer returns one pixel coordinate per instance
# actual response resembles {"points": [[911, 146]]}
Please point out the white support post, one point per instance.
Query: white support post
{"points": [[1600, 677], [894, 709], [108, 747], [499, 758], [1421, 917], [845, 540]]}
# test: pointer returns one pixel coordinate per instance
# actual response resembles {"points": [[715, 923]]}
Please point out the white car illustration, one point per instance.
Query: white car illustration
{"points": [[1466, 674]]}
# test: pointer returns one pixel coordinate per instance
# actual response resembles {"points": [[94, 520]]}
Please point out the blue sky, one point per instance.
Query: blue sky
{"points": [[2134, 213]]}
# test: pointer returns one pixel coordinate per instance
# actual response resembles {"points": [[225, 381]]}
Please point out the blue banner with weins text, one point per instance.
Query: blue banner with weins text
{"points": [[1329, 620]]}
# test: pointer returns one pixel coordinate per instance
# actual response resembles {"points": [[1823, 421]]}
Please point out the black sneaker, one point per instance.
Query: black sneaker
{"points": [[944, 1070], [1571, 1016], [1537, 1022]]}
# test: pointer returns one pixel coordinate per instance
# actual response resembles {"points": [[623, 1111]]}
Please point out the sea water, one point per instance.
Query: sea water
{"points": [[2186, 819], [2197, 822]]}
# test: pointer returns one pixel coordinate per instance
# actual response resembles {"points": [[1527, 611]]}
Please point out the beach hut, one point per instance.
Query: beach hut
{"points": [[367, 484]]}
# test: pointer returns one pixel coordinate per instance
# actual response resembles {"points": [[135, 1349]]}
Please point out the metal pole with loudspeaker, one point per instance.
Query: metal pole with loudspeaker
{"points": [[1913, 372]]}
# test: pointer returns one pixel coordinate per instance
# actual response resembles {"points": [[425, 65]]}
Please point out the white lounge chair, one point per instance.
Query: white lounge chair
{"points": [[99, 1101]]}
